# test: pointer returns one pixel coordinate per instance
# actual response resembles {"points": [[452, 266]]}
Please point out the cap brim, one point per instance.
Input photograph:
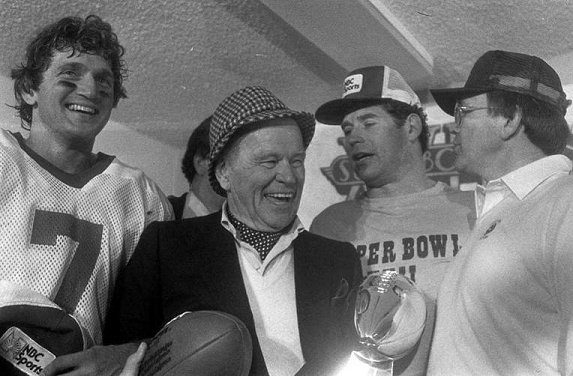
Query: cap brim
{"points": [[447, 98], [333, 112]]}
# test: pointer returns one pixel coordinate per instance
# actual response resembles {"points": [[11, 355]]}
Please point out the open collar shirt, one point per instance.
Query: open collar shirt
{"points": [[270, 289], [519, 183]]}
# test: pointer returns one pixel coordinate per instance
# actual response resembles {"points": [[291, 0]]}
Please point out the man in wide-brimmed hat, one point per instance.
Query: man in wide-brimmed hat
{"points": [[506, 303], [253, 259]]}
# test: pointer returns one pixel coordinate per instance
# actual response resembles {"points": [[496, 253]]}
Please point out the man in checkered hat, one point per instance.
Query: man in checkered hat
{"points": [[404, 221], [253, 259], [506, 303]]}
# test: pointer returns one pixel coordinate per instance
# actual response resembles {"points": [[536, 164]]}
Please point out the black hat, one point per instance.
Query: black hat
{"points": [[507, 71]]}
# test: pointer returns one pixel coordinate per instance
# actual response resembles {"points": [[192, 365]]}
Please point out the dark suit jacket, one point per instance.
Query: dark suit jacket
{"points": [[192, 265]]}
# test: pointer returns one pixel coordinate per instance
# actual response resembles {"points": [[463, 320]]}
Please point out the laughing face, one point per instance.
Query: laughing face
{"points": [[263, 174], [375, 145], [75, 98]]}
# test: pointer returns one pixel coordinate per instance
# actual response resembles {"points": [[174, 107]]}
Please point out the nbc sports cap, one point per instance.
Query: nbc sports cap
{"points": [[366, 87], [507, 71], [34, 331], [243, 108]]}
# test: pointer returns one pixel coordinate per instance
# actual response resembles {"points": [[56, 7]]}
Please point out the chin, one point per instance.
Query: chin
{"points": [[462, 166], [279, 223], [363, 176]]}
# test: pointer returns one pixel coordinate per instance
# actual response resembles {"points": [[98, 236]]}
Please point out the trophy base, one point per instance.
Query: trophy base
{"points": [[359, 366]]}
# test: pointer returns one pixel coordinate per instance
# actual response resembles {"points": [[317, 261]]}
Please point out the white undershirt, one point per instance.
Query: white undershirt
{"points": [[271, 291], [193, 207]]}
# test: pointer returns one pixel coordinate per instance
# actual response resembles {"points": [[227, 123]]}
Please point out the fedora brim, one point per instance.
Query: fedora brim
{"points": [[304, 120], [333, 112], [447, 98]]}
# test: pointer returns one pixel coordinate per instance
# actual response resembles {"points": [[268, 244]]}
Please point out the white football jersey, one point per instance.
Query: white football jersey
{"points": [[67, 236]]}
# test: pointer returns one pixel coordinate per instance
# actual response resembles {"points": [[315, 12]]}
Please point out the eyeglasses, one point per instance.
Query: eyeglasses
{"points": [[460, 111]]}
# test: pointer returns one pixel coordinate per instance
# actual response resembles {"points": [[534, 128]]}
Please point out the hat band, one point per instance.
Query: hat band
{"points": [[524, 83]]}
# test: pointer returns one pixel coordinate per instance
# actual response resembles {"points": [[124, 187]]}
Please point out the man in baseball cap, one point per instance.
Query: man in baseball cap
{"points": [[506, 303], [404, 221], [253, 259]]}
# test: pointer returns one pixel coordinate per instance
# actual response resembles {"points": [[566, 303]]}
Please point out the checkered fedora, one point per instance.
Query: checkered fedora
{"points": [[247, 106]]}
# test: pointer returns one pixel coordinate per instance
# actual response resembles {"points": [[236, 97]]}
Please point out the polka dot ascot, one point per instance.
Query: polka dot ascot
{"points": [[262, 241]]}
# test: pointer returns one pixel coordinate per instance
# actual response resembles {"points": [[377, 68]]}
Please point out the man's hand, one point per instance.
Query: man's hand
{"points": [[95, 361], [132, 365]]}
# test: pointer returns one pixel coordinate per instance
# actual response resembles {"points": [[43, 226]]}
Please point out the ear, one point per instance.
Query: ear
{"points": [[512, 126], [222, 174], [201, 164], [30, 97], [23, 88], [413, 126]]}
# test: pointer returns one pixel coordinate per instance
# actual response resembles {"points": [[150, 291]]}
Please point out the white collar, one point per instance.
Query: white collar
{"points": [[295, 228], [525, 179], [194, 207]]}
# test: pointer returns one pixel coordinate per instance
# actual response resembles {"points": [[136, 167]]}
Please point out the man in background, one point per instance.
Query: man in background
{"points": [[404, 221], [201, 199], [505, 306], [70, 217]]}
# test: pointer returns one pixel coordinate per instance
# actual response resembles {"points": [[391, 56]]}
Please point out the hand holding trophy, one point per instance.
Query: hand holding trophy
{"points": [[390, 316]]}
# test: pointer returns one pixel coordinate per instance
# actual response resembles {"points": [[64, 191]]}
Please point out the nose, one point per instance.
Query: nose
{"points": [[87, 86], [455, 129], [354, 137], [285, 173], [455, 134]]}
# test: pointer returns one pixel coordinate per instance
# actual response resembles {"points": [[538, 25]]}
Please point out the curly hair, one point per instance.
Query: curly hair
{"points": [[400, 112], [198, 144], [544, 125], [91, 36]]}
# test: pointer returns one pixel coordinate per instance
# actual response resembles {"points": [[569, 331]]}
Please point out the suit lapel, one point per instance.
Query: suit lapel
{"points": [[312, 292], [224, 273]]}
